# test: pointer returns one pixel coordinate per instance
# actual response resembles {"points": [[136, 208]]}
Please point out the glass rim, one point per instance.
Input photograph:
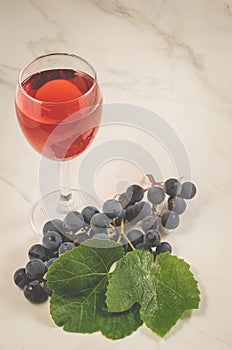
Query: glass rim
{"points": [[52, 102]]}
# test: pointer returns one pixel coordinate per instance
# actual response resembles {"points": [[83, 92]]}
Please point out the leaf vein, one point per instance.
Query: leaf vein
{"points": [[169, 288]]}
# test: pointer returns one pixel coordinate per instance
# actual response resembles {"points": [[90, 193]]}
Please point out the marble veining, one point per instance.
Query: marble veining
{"points": [[44, 14], [6, 181], [8, 75], [46, 43], [217, 339], [173, 42], [116, 8]]}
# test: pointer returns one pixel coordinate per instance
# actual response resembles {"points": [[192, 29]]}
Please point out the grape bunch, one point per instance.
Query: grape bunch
{"points": [[129, 220]]}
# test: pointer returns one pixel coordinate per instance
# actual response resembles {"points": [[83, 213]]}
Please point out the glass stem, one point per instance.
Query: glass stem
{"points": [[66, 202]]}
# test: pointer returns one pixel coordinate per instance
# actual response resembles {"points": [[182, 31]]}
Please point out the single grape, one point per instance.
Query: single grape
{"points": [[50, 262], [156, 195], [130, 214], [135, 236], [172, 187], [57, 225], [21, 278], [95, 230], [101, 235], [35, 293], [53, 225], [52, 240], [35, 269], [152, 238], [88, 212], [73, 221], [64, 247], [135, 193], [144, 246], [100, 220], [188, 190], [163, 247], [141, 210], [177, 204], [170, 220], [37, 251], [112, 208], [81, 237], [150, 222]]}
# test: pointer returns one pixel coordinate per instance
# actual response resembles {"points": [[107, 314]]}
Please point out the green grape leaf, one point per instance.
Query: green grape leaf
{"points": [[163, 294], [78, 280]]}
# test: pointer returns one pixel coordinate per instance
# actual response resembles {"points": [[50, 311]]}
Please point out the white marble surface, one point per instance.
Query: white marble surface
{"points": [[172, 57]]}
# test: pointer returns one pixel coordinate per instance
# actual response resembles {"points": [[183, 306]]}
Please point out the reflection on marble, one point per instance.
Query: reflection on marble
{"points": [[172, 57]]}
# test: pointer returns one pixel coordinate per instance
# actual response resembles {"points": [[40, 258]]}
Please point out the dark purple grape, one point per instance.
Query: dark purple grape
{"points": [[35, 293], [135, 236], [53, 225], [52, 240], [21, 278], [156, 195], [37, 251], [35, 269], [177, 205], [135, 193], [112, 208], [101, 236], [170, 220], [163, 247], [188, 190], [73, 221], [130, 215], [172, 187], [95, 230], [140, 246], [64, 247], [152, 238], [88, 212], [100, 220]]}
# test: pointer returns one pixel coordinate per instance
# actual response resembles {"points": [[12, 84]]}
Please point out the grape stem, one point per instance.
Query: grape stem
{"points": [[113, 225], [153, 181], [125, 236], [154, 212]]}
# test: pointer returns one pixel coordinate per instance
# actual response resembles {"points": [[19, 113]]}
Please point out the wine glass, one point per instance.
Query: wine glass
{"points": [[59, 108]]}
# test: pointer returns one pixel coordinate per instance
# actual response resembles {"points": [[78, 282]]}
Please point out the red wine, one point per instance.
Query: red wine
{"points": [[59, 112]]}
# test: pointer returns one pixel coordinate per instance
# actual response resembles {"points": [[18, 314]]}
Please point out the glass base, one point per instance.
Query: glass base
{"points": [[54, 206]]}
